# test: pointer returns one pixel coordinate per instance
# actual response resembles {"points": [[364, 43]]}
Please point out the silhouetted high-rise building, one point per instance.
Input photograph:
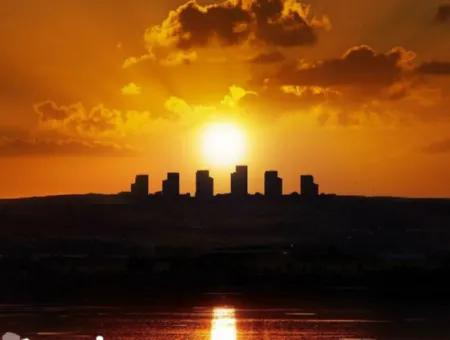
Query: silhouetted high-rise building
{"points": [[273, 185], [139, 189], [239, 181], [308, 187], [171, 185], [204, 185]]}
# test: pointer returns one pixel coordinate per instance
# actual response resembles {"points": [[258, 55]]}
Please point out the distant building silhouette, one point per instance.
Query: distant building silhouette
{"points": [[308, 187], [139, 189], [204, 185], [273, 185], [239, 181], [171, 185]]}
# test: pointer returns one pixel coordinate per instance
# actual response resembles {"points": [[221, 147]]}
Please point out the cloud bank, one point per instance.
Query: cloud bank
{"points": [[15, 147], [360, 65]]}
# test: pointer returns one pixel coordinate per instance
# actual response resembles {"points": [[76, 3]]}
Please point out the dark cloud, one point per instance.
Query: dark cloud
{"points": [[360, 65], [435, 68], [227, 22], [443, 13], [274, 22], [442, 146], [268, 58], [280, 23], [16, 147]]}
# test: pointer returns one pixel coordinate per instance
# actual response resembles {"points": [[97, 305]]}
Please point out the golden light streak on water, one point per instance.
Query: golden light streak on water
{"points": [[223, 325]]}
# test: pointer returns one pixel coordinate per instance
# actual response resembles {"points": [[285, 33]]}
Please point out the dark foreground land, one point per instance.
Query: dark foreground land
{"points": [[95, 247]]}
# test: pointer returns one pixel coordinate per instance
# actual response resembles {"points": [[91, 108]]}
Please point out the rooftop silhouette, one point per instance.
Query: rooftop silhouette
{"points": [[139, 189], [308, 187], [239, 181], [273, 185], [204, 185], [171, 185]]}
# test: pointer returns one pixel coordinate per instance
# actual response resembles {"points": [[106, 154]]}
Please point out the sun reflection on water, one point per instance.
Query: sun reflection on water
{"points": [[223, 326]]}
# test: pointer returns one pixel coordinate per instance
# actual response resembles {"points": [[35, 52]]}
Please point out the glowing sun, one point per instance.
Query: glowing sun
{"points": [[223, 144]]}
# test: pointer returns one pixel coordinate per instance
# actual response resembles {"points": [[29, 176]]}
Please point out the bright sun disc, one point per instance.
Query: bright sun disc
{"points": [[223, 144]]}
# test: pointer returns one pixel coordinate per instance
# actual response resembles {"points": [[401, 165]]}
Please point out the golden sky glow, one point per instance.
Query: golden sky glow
{"points": [[355, 92]]}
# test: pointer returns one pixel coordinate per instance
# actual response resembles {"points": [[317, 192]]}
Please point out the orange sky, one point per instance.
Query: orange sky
{"points": [[355, 92]]}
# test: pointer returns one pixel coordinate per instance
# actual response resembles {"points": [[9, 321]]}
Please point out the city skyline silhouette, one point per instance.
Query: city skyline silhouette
{"points": [[204, 187]]}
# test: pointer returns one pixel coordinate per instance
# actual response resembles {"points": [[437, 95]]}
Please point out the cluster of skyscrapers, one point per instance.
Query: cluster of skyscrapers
{"points": [[204, 185]]}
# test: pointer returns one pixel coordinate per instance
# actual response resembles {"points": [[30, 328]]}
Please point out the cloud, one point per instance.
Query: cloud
{"points": [[16, 147], [193, 25], [131, 89], [179, 58], [361, 86], [75, 120], [443, 13], [77, 130], [48, 110], [286, 23], [310, 92], [274, 100], [130, 61], [235, 95], [173, 58], [268, 58], [230, 104], [398, 102], [360, 65], [435, 68], [177, 105], [438, 147]]}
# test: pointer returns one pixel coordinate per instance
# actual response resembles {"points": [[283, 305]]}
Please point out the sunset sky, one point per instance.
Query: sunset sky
{"points": [[355, 92]]}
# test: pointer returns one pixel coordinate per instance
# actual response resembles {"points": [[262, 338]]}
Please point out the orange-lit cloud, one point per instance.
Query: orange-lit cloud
{"points": [[76, 120], [130, 61], [131, 89], [229, 105], [75, 130]]}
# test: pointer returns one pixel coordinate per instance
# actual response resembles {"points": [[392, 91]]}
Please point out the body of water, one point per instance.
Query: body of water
{"points": [[221, 322]]}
